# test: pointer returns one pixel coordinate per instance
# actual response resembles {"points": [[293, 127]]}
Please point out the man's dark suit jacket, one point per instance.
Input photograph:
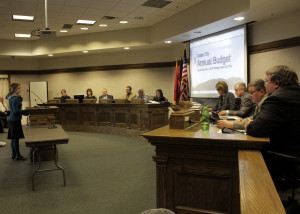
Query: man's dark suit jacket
{"points": [[108, 97], [279, 119], [246, 109]]}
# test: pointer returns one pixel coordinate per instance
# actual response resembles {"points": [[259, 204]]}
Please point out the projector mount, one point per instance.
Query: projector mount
{"points": [[46, 33]]}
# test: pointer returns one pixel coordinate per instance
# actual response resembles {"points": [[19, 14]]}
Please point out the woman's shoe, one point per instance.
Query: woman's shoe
{"points": [[13, 157], [21, 158]]}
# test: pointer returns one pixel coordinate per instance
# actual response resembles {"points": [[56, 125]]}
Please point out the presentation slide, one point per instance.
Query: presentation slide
{"points": [[221, 57]]}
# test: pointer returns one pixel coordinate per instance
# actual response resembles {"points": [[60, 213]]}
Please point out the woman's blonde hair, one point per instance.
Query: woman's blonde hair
{"points": [[221, 85]]}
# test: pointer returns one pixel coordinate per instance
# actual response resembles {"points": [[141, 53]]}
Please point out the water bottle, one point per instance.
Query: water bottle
{"points": [[205, 120]]}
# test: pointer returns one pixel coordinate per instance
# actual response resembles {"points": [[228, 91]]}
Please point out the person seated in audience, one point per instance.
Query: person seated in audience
{"points": [[247, 107], [105, 95], [258, 95], [159, 96], [3, 113], [89, 94], [142, 95], [129, 95], [64, 96], [226, 99]]}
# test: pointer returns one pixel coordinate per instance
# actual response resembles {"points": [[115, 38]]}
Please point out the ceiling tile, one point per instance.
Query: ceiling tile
{"points": [[133, 2], [79, 3], [50, 2], [124, 7], [102, 5], [146, 10]]}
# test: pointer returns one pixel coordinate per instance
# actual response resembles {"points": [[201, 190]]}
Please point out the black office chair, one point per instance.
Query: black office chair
{"points": [[285, 172], [237, 102]]}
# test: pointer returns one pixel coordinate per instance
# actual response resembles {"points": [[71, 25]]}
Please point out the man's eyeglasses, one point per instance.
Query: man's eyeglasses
{"points": [[252, 92]]}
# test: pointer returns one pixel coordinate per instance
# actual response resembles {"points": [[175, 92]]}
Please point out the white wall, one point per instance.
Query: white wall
{"points": [[274, 29], [115, 81], [261, 62]]}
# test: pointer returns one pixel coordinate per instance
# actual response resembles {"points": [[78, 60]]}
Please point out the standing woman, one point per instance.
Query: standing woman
{"points": [[15, 131]]}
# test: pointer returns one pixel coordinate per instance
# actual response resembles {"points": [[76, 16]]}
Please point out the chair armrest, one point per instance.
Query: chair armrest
{"points": [[286, 156]]}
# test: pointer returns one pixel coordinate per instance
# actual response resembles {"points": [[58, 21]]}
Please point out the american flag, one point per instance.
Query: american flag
{"points": [[184, 88]]}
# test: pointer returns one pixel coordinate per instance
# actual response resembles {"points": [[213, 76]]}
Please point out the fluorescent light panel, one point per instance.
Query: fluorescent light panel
{"points": [[103, 25], [239, 18], [22, 35], [85, 22], [23, 18], [84, 28], [123, 22]]}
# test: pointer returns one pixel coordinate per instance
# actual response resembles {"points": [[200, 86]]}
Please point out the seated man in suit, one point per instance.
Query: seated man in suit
{"points": [[279, 119], [64, 96], [142, 95], [258, 95], [3, 114], [129, 95], [247, 107], [105, 95]]}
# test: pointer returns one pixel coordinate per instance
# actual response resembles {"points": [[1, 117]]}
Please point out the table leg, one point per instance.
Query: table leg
{"points": [[55, 154], [37, 169], [58, 166]]}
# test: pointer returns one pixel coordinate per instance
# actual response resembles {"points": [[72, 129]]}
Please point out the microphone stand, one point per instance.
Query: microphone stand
{"points": [[52, 122], [36, 96]]}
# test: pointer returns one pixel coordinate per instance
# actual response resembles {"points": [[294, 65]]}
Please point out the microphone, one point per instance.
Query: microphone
{"points": [[36, 96], [52, 122], [36, 102]]}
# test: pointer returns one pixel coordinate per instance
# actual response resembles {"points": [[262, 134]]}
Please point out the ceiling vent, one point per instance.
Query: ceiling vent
{"points": [[156, 3], [67, 26], [108, 17]]}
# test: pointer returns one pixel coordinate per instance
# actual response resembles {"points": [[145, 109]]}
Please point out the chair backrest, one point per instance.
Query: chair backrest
{"points": [[105, 101], [137, 101], [89, 100], [120, 101], [54, 101], [72, 101], [158, 211]]}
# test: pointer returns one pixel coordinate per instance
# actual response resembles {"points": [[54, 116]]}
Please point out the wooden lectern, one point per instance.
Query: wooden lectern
{"points": [[42, 115], [181, 119]]}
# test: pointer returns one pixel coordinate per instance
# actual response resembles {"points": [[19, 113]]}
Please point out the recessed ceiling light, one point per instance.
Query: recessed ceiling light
{"points": [[84, 28], [103, 25], [168, 41], [85, 22], [85, 51], [50, 54], [127, 48], [123, 22], [22, 35], [23, 18], [63, 31], [239, 18]]}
